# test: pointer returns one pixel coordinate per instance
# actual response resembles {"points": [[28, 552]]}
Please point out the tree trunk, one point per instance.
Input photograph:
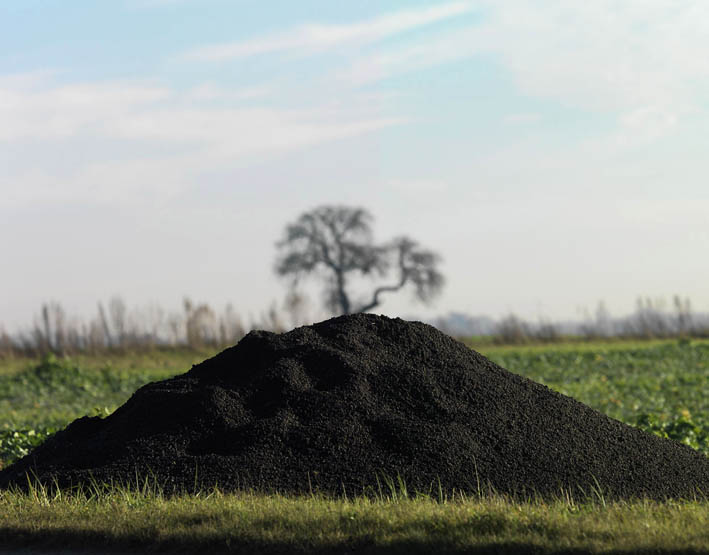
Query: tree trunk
{"points": [[342, 297]]}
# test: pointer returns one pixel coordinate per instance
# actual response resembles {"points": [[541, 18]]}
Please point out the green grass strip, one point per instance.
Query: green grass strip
{"points": [[129, 519]]}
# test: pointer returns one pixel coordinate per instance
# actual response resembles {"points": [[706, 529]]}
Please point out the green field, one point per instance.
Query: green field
{"points": [[660, 386]]}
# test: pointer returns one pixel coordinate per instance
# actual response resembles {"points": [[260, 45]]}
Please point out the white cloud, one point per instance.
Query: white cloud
{"points": [[439, 49], [641, 60], [242, 130], [105, 181], [600, 55], [117, 139], [212, 91], [26, 80], [604, 55], [31, 110], [316, 37]]}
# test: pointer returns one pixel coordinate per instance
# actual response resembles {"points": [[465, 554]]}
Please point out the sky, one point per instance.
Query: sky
{"points": [[553, 152]]}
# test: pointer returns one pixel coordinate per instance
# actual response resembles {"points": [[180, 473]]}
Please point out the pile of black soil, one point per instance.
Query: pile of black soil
{"points": [[341, 405]]}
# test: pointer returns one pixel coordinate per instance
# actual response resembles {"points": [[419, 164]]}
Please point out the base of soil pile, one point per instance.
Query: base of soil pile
{"points": [[342, 405]]}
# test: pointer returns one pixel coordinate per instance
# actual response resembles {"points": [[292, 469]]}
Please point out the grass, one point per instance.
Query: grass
{"points": [[662, 386], [51, 392], [38, 397], [252, 523]]}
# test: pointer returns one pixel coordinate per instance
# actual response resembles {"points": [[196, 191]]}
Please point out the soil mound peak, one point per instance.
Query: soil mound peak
{"points": [[332, 406]]}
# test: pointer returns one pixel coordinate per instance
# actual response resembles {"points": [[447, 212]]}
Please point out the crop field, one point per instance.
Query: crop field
{"points": [[659, 386]]}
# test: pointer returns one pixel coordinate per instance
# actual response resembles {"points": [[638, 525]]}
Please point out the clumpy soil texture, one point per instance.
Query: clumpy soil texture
{"points": [[341, 405]]}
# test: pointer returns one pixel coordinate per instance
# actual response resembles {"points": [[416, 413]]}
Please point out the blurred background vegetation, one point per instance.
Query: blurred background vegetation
{"points": [[116, 327]]}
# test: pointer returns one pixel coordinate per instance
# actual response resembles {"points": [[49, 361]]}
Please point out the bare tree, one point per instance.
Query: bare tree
{"points": [[51, 336], [119, 314], [231, 328], [7, 347], [335, 243], [104, 324], [46, 342], [512, 329], [684, 314], [201, 324]]}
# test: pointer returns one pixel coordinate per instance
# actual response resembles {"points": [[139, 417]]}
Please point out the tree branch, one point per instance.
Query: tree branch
{"points": [[378, 291]]}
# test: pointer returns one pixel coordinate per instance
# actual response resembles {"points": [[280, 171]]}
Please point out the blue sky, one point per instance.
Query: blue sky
{"points": [[553, 152]]}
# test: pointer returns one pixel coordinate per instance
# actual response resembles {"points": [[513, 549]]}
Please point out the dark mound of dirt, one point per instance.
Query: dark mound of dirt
{"points": [[333, 406]]}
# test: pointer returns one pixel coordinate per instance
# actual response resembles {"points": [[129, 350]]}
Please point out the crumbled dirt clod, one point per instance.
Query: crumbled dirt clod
{"points": [[341, 405]]}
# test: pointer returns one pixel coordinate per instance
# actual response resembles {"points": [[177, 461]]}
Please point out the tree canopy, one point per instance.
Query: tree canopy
{"points": [[336, 244]]}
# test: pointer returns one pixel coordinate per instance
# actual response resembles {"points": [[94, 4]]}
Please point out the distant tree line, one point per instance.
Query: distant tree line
{"points": [[652, 318], [115, 327]]}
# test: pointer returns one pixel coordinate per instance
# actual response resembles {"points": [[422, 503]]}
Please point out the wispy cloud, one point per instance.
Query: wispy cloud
{"points": [[437, 49], [604, 55], [212, 91], [117, 137], [638, 59], [316, 37], [29, 110], [644, 124]]}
